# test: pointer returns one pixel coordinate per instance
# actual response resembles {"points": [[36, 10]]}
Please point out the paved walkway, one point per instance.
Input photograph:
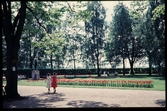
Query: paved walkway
{"points": [[85, 97]]}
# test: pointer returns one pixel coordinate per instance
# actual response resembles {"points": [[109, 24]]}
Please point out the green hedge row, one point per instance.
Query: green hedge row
{"points": [[43, 72]]}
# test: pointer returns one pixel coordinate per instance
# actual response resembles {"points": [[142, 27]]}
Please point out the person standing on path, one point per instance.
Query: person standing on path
{"points": [[54, 82], [48, 81]]}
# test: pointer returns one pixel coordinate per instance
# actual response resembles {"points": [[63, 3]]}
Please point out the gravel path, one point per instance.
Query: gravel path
{"points": [[85, 97]]}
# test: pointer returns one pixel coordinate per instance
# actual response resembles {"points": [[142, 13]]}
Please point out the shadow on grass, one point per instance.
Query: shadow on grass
{"points": [[161, 102], [33, 101], [88, 104]]}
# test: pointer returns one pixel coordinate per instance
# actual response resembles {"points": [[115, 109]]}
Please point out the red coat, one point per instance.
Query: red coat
{"points": [[54, 81]]}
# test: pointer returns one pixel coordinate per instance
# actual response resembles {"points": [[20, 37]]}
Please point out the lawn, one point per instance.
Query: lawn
{"points": [[158, 82]]}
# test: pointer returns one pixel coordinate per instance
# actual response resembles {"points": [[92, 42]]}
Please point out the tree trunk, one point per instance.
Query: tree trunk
{"points": [[123, 66], [31, 60], [12, 33], [35, 64], [74, 62], [150, 67], [131, 68], [51, 63], [58, 62], [97, 61], [11, 76], [159, 69], [98, 69]]}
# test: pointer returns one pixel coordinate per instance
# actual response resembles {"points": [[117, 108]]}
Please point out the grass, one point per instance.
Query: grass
{"points": [[159, 82]]}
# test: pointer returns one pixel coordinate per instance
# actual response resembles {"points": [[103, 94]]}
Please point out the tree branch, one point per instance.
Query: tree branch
{"points": [[21, 21], [70, 7], [5, 21], [38, 21], [15, 21]]}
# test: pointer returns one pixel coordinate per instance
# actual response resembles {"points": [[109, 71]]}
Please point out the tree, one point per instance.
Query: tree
{"points": [[12, 30], [112, 55], [149, 27], [149, 39], [158, 15], [95, 27], [157, 52], [120, 33], [26, 47], [72, 39], [52, 46]]}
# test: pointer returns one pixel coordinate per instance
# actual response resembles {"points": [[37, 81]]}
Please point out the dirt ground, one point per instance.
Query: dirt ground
{"points": [[38, 97]]}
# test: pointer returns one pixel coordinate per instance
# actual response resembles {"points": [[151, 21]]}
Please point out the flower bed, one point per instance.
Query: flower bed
{"points": [[107, 83]]}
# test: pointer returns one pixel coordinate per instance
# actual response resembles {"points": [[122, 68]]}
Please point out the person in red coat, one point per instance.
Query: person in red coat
{"points": [[54, 82]]}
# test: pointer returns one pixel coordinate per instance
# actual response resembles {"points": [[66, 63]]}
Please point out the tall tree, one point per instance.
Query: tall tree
{"points": [[148, 39], [52, 46], [157, 29], [149, 30], [12, 30], [95, 28], [120, 32], [158, 14]]}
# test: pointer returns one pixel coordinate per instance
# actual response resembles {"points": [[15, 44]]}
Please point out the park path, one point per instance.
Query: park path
{"points": [[85, 97]]}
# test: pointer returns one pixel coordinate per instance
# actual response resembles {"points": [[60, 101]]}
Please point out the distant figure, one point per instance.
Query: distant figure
{"points": [[100, 72], [104, 73], [38, 74], [108, 73], [33, 74], [48, 81], [54, 82], [116, 73]]}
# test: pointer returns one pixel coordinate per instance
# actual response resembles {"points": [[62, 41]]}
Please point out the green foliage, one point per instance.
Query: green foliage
{"points": [[51, 43], [160, 9], [138, 8], [95, 31], [55, 15], [152, 35], [120, 31], [44, 17], [77, 9]]}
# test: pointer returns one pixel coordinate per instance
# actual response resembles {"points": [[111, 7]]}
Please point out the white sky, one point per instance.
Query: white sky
{"points": [[109, 5]]}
